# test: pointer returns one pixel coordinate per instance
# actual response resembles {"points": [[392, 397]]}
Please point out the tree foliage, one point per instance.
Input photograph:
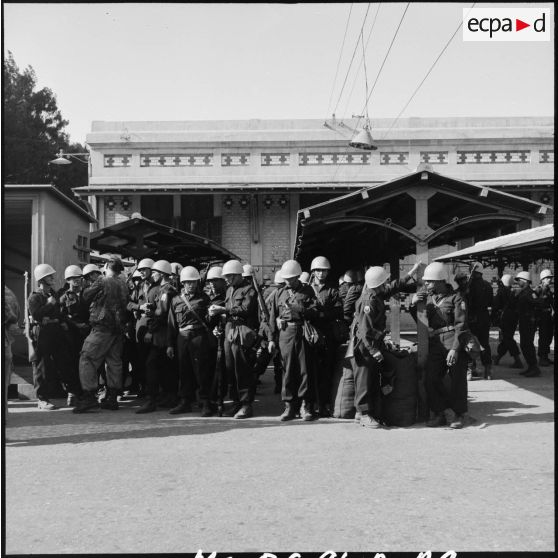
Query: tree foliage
{"points": [[34, 133]]}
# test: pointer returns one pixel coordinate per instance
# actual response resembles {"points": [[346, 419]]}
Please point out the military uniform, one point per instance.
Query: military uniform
{"points": [[504, 316], [479, 299], [288, 310], [76, 312], [190, 336], [215, 343], [50, 332], [545, 320], [527, 308], [349, 304]]}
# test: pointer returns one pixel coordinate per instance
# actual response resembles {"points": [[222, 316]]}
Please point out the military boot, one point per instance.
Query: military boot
{"points": [[307, 411], [439, 419], [207, 410], [236, 406], [148, 407], [244, 412], [87, 401], [110, 401], [517, 362], [289, 413], [182, 407]]}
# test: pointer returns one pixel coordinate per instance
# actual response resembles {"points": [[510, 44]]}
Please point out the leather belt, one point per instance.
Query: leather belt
{"points": [[191, 327], [441, 330], [294, 323]]}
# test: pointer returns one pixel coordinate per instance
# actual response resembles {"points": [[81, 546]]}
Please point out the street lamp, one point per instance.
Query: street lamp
{"points": [[63, 158]]}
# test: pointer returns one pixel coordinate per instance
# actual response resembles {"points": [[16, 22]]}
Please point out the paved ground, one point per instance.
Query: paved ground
{"points": [[111, 482]]}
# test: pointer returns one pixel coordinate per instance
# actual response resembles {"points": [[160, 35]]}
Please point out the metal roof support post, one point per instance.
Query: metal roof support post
{"points": [[423, 412]]}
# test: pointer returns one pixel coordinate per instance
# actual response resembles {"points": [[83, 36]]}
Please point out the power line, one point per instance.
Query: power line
{"points": [[339, 61], [352, 58], [427, 74]]}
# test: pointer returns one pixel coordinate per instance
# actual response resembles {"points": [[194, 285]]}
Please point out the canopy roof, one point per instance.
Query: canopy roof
{"points": [[378, 223], [141, 238], [527, 245]]}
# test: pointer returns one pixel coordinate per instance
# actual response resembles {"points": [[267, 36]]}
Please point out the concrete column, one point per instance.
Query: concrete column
{"points": [[176, 210], [101, 211]]}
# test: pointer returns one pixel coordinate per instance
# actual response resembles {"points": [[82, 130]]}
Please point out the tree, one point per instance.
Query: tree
{"points": [[34, 133]]}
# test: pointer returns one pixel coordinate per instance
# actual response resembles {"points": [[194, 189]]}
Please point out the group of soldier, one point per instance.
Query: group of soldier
{"points": [[177, 339]]}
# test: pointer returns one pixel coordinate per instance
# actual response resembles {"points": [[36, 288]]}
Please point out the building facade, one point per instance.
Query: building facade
{"points": [[241, 183]]}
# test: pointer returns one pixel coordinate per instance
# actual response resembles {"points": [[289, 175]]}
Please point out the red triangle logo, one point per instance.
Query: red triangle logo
{"points": [[519, 25]]}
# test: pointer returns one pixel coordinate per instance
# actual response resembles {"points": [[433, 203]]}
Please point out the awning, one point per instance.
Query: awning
{"points": [[142, 238], [528, 245], [385, 222]]}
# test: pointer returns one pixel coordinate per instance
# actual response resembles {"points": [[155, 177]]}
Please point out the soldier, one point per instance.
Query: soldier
{"points": [[527, 308], [478, 301], [138, 305], [188, 331], [241, 311], [51, 338], [366, 341], [352, 296], [290, 307], [160, 372], [545, 318], [108, 316], [330, 308], [90, 274], [446, 314], [504, 316], [304, 278], [346, 281], [11, 329], [76, 312], [247, 273], [462, 280], [129, 351], [175, 276]]}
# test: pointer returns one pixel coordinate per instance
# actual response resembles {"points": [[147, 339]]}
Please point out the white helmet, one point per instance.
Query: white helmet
{"points": [[73, 271], [546, 273], [42, 271], [476, 266], [506, 279], [189, 273], [215, 273], [146, 263], [320, 263], [523, 275], [136, 275], [90, 268], [278, 279], [176, 268], [436, 271], [247, 270], [291, 268], [375, 276], [162, 266], [232, 267], [305, 277]]}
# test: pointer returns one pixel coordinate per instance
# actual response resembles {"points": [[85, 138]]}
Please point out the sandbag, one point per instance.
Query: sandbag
{"points": [[343, 394]]}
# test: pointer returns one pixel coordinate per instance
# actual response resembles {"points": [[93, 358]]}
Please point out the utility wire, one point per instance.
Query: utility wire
{"points": [[365, 72], [339, 61], [427, 74], [352, 58]]}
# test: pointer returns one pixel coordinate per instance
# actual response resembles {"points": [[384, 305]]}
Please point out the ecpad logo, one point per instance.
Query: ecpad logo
{"points": [[506, 24]]}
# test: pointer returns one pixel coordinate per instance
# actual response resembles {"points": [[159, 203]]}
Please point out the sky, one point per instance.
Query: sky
{"points": [[158, 61]]}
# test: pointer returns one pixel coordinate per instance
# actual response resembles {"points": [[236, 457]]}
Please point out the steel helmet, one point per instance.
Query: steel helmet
{"points": [[305, 277], [278, 279], [73, 271], [436, 271], [506, 279], [320, 263], [375, 276], [176, 268], [546, 273], [162, 266], [291, 268], [524, 275], [90, 268], [136, 275], [247, 270], [189, 273], [42, 271], [341, 280], [349, 276], [146, 263], [215, 273], [476, 266], [232, 267]]}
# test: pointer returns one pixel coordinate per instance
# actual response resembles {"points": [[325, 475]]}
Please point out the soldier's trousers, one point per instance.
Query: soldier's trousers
{"points": [[160, 371], [545, 324], [101, 345], [239, 363], [194, 365], [138, 371], [368, 394], [54, 356], [481, 329], [298, 366], [507, 344], [527, 327], [439, 395], [325, 365], [219, 386]]}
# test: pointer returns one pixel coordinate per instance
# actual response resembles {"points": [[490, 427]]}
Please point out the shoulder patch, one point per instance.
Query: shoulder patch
{"points": [[164, 297], [463, 305], [367, 309]]}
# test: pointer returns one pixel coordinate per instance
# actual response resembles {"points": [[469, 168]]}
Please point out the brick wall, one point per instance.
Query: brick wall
{"points": [[117, 215], [236, 228], [275, 233]]}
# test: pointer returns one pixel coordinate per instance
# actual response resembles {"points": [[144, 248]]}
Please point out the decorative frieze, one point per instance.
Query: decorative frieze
{"points": [[235, 159], [546, 156], [492, 157], [182, 160], [394, 157], [434, 157], [308, 159], [117, 160], [275, 159]]}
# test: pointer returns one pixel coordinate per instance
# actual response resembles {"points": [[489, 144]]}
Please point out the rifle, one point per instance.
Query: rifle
{"points": [[261, 301], [27, 329]]}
